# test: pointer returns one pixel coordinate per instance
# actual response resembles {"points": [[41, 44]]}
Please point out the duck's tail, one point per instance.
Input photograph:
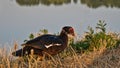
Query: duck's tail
{"points": [[26, 51], [18, 53], [22, 52]]}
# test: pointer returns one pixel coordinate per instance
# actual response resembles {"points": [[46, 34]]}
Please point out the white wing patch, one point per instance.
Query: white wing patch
{"points": [[47, 46]]}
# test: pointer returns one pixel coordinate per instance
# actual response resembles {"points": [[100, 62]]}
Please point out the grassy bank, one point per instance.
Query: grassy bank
{"points": [[97, 49]]}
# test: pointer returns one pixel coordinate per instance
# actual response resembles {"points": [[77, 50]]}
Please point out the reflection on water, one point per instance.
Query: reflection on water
{"points": [[98, 3], [45, 2], [89, 3]]}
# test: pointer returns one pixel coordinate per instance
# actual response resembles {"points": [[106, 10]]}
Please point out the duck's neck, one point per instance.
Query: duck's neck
{"points": [[64, 37]]}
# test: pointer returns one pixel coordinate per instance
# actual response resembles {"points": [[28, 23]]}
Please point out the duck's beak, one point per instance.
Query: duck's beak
{"points": [[73, 34]]}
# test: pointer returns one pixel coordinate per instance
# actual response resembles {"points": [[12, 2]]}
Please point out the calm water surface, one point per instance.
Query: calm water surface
{"points": [[19, 18]]}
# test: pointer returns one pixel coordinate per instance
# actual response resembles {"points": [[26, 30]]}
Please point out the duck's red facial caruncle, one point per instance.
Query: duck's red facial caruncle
{"points": [[71, 31]]}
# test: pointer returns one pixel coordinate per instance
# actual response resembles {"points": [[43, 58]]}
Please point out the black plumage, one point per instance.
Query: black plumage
{"points": [[50, 44]]}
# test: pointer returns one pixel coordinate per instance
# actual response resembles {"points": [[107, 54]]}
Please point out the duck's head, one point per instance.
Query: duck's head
{"points": [[68, 30]]}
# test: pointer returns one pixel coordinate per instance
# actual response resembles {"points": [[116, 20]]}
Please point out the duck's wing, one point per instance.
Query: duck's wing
{"points": [[44, 41]]}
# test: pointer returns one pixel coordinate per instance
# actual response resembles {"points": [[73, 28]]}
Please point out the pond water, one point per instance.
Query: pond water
{"points": [[19, 18]]}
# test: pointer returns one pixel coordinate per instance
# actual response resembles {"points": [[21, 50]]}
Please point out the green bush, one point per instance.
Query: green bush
{"points": [[94, 40]]}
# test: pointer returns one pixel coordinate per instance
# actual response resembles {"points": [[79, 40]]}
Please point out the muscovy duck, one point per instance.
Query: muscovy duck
{"points": [[50, 44]]}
